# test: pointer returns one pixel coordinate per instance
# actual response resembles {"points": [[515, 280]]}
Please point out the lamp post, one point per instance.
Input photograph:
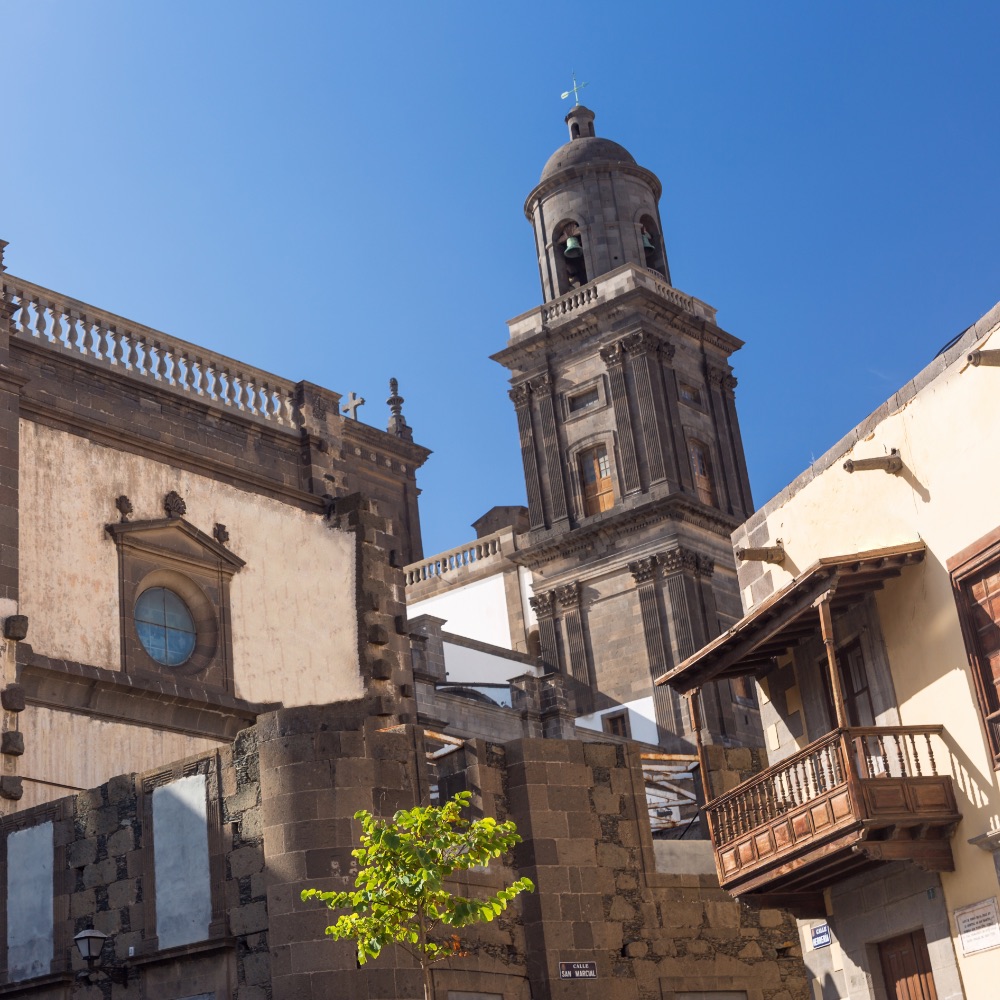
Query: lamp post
{"points": [[90, 944]]}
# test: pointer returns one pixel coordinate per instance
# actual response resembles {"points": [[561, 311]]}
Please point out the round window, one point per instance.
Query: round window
{"points": [[165, 626]]}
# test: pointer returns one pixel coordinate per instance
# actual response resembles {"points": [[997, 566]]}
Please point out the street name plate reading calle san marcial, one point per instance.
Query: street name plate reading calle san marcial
{"points": [[577, 970]]}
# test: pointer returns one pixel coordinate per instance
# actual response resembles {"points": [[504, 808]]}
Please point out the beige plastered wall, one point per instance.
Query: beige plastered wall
{"points": [[294, 617], [64, 752], [948, 496]]}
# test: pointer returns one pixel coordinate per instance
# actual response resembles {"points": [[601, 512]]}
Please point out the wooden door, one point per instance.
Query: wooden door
{"points": [[906, 967], [595, 478]]}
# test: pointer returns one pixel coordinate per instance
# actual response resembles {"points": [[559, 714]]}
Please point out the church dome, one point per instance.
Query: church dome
{"points": [[589, 149]]}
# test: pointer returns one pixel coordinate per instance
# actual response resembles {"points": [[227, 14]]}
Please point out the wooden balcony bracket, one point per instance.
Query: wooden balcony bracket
{"points": [[890, 463]]}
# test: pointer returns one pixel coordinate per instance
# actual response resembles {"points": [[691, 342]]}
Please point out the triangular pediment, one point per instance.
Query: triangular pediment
{"points": [[176, 537]]}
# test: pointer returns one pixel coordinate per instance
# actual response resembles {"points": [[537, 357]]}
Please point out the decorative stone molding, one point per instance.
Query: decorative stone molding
{"points": [[520, 395], [220, 534], [678, 560], [543, 604], [641, 342], [667, 351], [174, 505], [124, 507], [613, 354], [644, 570], [541, 383], [706, 565], [568, 595]]}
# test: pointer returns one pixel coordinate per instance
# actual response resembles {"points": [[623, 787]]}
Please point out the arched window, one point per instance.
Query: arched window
{"points": [[652, 245], [575, 130], [595, 480], [570, 264], [701, 469]]}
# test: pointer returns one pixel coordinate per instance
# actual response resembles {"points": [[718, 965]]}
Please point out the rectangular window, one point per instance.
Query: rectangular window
{"points": [[975, 577], [701, 469], [584, 400], [595, 480], [689, 394], [616, 724]]}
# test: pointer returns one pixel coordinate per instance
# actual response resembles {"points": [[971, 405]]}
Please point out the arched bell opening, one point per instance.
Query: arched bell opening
{"points": [[571, 266], [574, 132], [652, 245]]}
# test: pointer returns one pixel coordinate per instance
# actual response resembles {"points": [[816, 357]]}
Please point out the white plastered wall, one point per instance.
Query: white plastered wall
{"points": [[946, 496], [476, 610], [294, 618]]}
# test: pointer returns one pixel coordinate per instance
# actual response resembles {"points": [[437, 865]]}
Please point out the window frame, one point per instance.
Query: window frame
{"points": [[608, 720], [578, 456], [578, 390], [713, 478], [173, 554], [975, 560]]}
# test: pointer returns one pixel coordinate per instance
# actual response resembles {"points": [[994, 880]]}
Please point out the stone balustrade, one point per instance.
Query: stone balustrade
{"points": [[66, 325], [622, 280], [438, 565]]}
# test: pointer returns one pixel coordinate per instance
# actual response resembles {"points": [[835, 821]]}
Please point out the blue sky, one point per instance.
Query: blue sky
{"points": [[335, 192]]}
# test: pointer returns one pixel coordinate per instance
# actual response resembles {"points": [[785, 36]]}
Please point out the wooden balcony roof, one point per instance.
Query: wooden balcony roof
{"points": [[787, 617]]}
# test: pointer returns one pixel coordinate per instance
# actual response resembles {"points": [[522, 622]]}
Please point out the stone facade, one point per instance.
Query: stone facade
{"points": [[633, 461], [135, 461], [280, 802]]}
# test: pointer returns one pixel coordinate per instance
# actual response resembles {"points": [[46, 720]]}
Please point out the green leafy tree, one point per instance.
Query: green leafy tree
{"points": [[399, 893]]}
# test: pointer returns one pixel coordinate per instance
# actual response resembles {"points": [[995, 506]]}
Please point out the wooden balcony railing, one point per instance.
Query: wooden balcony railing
{"points": [[853, 790]]}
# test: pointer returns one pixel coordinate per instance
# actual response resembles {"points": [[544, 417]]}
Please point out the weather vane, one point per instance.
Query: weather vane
{"points": [[574, 90]]}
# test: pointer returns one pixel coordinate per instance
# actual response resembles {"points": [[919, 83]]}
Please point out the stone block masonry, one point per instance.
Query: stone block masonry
{"points": [[280, 812]]}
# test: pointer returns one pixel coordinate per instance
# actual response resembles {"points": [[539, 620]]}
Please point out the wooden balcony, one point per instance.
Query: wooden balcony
{"points": [[854, 798]]}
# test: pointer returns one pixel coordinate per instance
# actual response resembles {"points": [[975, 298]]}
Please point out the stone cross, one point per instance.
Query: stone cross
{"points": [[353, 402], [574, 90]]}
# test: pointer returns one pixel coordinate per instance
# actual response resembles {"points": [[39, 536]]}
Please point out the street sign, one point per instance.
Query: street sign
{"points": [[577, 970], [821, 936]]}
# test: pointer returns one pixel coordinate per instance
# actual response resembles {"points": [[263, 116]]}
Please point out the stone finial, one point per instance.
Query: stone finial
{"points": [[124, 508], [174, 505], [3, 245], [220, 534], [397, 422]]}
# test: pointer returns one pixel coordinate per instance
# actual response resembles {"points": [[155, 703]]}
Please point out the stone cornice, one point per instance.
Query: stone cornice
{"points": [[615, 524], [558, 179]]}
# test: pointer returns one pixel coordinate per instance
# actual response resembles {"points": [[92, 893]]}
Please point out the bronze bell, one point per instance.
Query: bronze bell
{"points": [[573, 247], [647, 243]]}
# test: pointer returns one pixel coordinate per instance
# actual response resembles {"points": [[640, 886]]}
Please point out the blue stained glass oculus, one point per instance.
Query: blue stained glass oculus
{"points": [[165, 626]]}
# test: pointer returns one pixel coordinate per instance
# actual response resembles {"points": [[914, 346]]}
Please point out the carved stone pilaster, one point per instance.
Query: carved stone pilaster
{"points": [[614, 357], [646, 572], [718, 407], [544, 606], [680, 471], [568, 597], [541, 387], [641, 347], [521, 397]]}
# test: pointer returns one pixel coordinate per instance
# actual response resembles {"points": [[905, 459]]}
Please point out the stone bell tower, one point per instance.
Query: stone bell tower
{"points": [[630, 441]]}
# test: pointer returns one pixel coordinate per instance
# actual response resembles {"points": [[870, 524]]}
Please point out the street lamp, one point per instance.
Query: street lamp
{"points": [[90, 944]]}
